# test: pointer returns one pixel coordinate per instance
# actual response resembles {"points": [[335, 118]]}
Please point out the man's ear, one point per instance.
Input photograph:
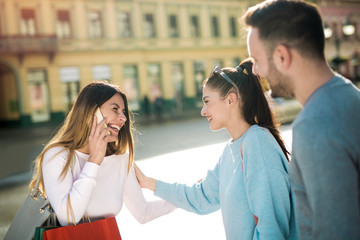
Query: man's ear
{"points": [[282, 57]]}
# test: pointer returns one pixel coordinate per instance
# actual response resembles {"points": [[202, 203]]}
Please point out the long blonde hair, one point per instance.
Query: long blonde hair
{"points": [[75, 131]]}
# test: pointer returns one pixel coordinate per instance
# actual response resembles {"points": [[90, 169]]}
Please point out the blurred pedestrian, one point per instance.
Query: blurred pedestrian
{"points": [[250, 182], [286, 41], [158, 104], [146, 106], [102, 176]]}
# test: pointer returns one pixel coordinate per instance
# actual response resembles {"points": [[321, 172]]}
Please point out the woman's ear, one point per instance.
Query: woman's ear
{"points": [[232, 98]]}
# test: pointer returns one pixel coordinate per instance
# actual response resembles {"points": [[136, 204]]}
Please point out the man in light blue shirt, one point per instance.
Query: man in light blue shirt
{"points": [[286, 41]]}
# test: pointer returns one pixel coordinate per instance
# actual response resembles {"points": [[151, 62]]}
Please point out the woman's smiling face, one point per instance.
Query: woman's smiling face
{"points": [[114, 111], [214, 109]]}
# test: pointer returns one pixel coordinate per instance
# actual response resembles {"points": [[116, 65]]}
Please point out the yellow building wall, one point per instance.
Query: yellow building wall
{"points": [[8, 96], [55, 89], [84, 53]]}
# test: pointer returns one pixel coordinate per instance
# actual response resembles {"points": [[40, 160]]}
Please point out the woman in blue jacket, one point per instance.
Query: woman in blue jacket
{"points": [[250, 183]]}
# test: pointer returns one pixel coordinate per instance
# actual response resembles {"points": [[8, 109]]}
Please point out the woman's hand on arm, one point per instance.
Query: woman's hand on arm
{"points": [[97, 142], [144, 181]]}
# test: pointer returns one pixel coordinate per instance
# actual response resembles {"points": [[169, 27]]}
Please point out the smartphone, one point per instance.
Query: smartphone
{"points": [[100, 117]]}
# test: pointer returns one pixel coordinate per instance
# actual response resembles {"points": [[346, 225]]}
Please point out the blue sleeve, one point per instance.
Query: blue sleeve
{"points": [[267, 185], [330, 179], [201, 198]]}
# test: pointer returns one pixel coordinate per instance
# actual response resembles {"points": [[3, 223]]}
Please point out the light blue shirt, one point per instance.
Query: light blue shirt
{"points": [[260, 187], [325, 163]]}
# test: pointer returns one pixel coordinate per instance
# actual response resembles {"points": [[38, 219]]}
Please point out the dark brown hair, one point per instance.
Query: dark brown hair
{"points": [[292, 23], [255, 106]]}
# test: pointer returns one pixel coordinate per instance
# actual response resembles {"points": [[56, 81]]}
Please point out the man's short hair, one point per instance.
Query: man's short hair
{"points": [[292, 23]]}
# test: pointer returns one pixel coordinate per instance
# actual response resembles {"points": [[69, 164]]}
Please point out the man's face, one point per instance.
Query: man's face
{"points": [[281, 85]]}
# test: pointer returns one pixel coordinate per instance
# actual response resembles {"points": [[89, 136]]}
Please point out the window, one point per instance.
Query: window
{"points": [[194, 26], [215, 26], [149, 26], [174, 30], [101, 72], [39, 95], [124, 25], [95, 24], [199, 73], [27, 22], [154, 81], [233, 27], [131, 86], [70, 85], [177, 75], [63, 26]]}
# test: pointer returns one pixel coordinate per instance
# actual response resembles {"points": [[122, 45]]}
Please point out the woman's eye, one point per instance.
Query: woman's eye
{"points": [[115, 109]]}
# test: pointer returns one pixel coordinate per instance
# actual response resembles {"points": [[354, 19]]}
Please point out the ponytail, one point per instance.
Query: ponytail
{"points": [[255, 108]]}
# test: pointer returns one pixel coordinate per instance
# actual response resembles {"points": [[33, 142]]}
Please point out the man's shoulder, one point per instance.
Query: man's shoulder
{"points": [[341, 90], [339, 97]]}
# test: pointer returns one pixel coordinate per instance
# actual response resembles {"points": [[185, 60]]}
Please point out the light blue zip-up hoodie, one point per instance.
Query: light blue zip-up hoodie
{"points": [[257, 188]]}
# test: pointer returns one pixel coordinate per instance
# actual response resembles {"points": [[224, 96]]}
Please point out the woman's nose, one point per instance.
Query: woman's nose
{"points": [[122, 117], [202, 112]]}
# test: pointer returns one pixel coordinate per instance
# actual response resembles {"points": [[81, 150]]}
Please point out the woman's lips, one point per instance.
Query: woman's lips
{"points": [[115, 127]]}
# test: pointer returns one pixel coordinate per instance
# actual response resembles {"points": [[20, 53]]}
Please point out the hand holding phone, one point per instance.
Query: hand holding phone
{"points": [[100, 117], [97, 145]]}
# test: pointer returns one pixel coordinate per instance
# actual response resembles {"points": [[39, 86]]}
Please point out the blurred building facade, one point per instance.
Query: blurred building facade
{"points": [[158, 51], [50, 49], [342, 31]]}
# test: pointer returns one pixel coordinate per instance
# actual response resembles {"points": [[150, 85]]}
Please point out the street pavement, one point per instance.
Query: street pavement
{"points": [[173, 151]]}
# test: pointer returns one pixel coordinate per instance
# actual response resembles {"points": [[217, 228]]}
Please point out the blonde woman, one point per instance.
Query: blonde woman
{"points": [[89, 163]]}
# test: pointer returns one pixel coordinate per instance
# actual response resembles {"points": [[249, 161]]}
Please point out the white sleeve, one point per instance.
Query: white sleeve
{"points": [[59, 188], [142, 210]]}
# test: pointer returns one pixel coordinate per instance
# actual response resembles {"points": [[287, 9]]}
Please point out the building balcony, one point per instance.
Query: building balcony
{"points": [[22, 45]]}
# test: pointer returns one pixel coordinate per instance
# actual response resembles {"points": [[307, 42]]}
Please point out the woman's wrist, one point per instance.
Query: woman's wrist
{"points": [[151, 183], [96, 160]]}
